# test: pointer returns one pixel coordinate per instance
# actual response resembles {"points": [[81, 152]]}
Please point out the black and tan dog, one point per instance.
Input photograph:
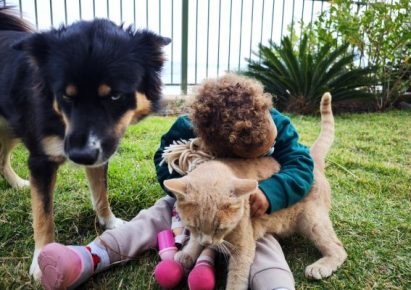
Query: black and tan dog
{"points": [[70, 93]]}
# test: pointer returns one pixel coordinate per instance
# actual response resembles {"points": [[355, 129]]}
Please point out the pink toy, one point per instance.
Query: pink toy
{"points": [[202, 277], [166, 245], [168, 273]]}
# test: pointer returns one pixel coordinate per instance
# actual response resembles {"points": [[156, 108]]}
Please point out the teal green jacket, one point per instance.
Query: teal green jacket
{"points": [[284, 188]]}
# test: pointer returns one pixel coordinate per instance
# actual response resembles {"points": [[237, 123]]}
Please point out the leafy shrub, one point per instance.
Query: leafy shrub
{"points": [[298, 78], [381, 32]]}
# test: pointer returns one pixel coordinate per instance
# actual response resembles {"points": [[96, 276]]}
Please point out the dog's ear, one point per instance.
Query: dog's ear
{"points": [[151, 38], [37, 46], [148, 48]]}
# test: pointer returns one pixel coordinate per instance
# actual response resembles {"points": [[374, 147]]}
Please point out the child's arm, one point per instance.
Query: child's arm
{"points": [[296, 176], [181, 130]]}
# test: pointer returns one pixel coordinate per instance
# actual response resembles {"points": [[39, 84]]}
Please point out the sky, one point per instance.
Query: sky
{"points": [[218, 41]]}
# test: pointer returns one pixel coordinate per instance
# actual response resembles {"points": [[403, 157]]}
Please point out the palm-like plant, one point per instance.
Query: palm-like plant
{"points": [[298, 78]]}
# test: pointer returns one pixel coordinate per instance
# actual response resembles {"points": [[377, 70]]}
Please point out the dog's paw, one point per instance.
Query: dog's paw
{"points": [[19, 183], [111, 222], [34, 267], [318, 271], [184, 259]]}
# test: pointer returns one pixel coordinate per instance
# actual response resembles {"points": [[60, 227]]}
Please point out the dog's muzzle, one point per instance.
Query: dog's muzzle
{"points": [[84, 150], [84, 156]]}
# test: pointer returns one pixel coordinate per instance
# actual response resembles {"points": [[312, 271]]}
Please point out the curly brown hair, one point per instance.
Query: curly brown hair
{"points": [[230, 113]]}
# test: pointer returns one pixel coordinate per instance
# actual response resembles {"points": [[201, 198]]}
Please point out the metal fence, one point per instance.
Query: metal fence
{"points": [[209, 37]]}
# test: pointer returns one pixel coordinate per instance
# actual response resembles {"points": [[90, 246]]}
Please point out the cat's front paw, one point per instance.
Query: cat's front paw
{"points": [[184, 259], [317, 271]]}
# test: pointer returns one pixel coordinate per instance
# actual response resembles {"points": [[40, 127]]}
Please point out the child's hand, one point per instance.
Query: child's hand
{"points": [[259, 203]]}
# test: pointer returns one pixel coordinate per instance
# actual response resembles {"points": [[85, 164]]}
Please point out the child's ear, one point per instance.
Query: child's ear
{"points": [[245, 186], [177, 186]]}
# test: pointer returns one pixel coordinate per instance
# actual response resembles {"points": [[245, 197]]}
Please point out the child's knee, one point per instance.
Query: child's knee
{"points": [[272, 278]]}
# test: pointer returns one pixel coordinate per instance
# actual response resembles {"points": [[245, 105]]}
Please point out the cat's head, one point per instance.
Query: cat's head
{"points": [[211, 206]]}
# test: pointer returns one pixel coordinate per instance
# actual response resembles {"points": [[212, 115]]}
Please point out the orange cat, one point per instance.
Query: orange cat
{"points": [[213, 202]]}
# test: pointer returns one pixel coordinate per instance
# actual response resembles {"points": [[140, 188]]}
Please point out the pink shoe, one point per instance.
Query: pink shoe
{"points": [[64, 267], [168, 274], [201, 277]]}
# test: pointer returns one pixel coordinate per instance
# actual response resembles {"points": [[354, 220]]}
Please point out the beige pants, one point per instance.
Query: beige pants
{"points": [[269, 270]]}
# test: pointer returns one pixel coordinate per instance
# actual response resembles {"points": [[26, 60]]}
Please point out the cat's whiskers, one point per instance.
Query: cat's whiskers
{"points": [[223, 250], [230, 247]]}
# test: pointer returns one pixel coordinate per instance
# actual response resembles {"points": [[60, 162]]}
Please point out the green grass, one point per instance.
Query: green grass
{"points": [[369, 169]]}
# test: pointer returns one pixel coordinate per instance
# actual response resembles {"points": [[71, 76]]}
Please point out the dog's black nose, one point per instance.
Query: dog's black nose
{"points": [[84, 156]]}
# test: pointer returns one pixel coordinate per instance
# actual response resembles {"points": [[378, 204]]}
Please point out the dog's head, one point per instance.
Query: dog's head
{"points": [[101, 77]]}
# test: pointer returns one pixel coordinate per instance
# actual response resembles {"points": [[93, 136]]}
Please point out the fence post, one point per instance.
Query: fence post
{"points": [[184, 48]]}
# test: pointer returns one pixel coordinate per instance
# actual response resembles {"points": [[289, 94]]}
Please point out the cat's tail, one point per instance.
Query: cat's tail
{"points": [[324, 141]]}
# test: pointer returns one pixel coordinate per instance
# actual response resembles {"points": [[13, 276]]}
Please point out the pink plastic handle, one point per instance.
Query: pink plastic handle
{"points": [[165, 239]]}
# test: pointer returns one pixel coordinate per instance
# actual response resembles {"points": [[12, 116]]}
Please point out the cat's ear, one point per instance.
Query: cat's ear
{"points": [[177, 186], [245, 186]]}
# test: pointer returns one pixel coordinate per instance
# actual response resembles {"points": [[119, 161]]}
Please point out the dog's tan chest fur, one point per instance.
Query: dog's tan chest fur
{"points": [[53, 146]]}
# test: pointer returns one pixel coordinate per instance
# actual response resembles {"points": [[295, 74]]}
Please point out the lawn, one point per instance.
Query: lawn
{"points": [[369, 168]]}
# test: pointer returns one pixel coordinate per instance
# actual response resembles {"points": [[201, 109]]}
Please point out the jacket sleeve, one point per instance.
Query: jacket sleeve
{"points": [[181, 130], [295, 178]]}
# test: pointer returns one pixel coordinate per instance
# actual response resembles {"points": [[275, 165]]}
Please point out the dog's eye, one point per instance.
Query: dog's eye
{"points": [[116, 97]]}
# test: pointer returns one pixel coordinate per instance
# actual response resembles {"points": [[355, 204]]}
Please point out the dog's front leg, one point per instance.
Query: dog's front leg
{"points": [[42, 180], [97, 178]]}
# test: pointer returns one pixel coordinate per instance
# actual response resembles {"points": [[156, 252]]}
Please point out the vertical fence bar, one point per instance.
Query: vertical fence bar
{"points": [[94, 8], [79, 9], [51, 13], [196, 49], [108, 9], [159, 16], [219, 33], [262, 27], [272, 21], [241, 33], [322, 6], [134, 14], [229, 36], [292, 19], [146, 13], [312, 11], [302, 19], [172, 37], [282, 21], [184, 47], [121, 10], [37, 14], [21, 8], [251, 30], [208, 35], [65, 11]]}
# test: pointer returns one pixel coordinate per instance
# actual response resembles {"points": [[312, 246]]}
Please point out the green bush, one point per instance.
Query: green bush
{"points": [[381, 33], [299, 77]]}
